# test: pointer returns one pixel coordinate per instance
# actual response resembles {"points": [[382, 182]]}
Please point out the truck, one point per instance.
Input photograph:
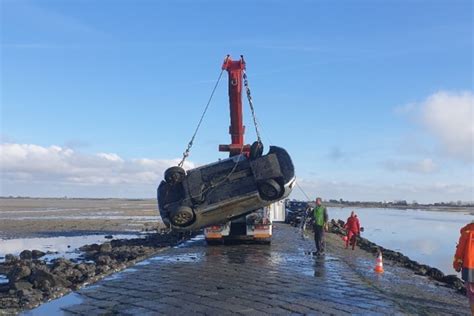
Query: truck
{"points": [[237, 197], [256, 226]]}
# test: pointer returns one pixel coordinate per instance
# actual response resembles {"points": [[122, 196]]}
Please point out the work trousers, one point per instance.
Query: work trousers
{"points": [[319, 238], [351, 239]]}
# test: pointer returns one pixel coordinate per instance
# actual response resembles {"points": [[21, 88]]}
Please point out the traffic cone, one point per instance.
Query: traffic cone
{"points": [[378, 263]]}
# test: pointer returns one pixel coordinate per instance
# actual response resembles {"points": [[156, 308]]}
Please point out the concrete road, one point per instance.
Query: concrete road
{"points": [[256, 279]]}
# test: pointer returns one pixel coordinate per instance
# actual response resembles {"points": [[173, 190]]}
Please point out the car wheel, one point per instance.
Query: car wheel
{"points": [[174, 175], [270, 189], [256, 150], [183, 216]]}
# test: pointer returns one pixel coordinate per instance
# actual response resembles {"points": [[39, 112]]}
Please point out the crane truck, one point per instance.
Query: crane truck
{"points": [[232, 197]]}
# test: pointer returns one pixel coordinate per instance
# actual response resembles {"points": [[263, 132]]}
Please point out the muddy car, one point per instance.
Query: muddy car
{"points": [[224, 190]]}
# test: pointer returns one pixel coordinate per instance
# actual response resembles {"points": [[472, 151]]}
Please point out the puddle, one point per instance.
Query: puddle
{"points": [[190, 241], [62, 246], [182, 258], [55, 307]]}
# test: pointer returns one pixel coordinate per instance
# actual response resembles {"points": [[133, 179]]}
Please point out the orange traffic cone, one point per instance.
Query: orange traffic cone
{"points": [[378, 263]]}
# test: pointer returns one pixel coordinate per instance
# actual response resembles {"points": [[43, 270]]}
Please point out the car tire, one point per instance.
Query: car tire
{"points": [[174, 175], [182, 216], [270, 190], [256, 150]]}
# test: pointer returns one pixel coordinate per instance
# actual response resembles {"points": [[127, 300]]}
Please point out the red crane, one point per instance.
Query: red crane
{"points": [[236, 128]]}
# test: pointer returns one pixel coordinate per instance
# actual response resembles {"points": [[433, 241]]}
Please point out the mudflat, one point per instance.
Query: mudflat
{"points": [[28, 217]]}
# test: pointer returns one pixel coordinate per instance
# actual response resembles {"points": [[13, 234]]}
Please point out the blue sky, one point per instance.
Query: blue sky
{"points": [[368, 96]]}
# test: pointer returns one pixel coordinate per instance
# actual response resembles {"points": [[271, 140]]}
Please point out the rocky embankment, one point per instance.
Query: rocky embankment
{"points": [[32, 280], [451, 281]]}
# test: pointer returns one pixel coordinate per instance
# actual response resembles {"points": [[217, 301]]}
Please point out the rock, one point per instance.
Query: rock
{"points": [[42, 284], [18, 273], [116, 243], [104, 260], [31, 296], [26, 255], [105, 247], [435, 274], [37, 254], [9, 258], [102, 269], [91, 247], [87, 270], [45, 280], [61, 264], [76, 275], [22, 285], [454, 281]]}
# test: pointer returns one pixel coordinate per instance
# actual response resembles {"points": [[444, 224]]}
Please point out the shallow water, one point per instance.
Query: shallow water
{"points": [[65, 246], [424, 236], [55, 307]]}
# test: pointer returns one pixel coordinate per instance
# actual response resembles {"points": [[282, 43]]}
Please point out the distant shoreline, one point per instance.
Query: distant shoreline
{"points": [[431, 208], [346, 204]]}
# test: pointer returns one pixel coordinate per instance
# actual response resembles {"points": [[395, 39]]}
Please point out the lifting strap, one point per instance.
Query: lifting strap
{"points": [[190, 144]]}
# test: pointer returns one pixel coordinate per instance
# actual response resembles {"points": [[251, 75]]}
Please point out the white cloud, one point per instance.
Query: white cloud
{"points": [[423, 166], [26, 168], [110, 157], [449, 116]]}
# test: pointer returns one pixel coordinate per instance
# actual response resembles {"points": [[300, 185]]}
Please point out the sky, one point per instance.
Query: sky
{"points": [[373, 100]]}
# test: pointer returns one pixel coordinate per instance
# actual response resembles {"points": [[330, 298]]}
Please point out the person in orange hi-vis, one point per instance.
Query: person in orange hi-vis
{"points": [[353, 230], [464, 260]]}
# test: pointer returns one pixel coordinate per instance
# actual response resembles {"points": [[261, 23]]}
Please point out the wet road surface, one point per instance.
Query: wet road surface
{"points": [[247, 279]]}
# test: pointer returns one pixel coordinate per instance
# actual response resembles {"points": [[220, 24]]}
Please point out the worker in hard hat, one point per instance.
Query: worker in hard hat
{"points": [[464, 260], [352, 227], [320, 215]]}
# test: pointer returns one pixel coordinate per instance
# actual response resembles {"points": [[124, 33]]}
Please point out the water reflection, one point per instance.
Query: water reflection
{"points": [[425, 236], [62, 246], [319, 267], [55, 307]]}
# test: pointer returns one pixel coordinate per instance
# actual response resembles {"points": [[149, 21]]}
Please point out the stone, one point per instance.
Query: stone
{"points": [[454, 281], [37, 254], [435, 274], [26, 255], [18, 273], [22, 285], [105, 247], [91, 247], [9, 258], [45, 279], [104, 260]]}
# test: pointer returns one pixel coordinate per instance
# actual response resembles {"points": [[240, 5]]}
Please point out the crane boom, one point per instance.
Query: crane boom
{"points": [[236, 128]]}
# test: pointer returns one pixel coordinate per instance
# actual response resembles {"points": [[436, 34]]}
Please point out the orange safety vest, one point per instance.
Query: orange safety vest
{"points": [[465, 253]]}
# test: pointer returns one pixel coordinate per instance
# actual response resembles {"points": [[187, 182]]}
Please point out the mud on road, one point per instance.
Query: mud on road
{"points": [[282, 278]]}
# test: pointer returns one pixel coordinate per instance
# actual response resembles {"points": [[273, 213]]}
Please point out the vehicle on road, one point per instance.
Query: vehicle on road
{"points": [[256, 226], [224, 190]]}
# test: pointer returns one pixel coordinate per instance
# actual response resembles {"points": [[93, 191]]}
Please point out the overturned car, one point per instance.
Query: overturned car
{"points": [[227, 189]]}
